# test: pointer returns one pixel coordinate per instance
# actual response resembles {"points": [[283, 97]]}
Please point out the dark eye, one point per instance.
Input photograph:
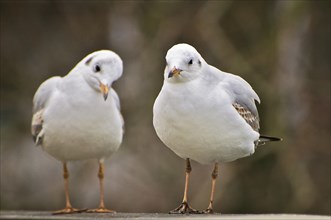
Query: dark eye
{"points": [[97, 68], [190, 62]]}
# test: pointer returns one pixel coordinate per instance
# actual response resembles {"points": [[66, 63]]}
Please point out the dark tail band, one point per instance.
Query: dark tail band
{"points": [[264, 138]]}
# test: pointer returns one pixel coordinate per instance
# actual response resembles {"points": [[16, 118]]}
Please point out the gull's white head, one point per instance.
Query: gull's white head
{"points": [[184, 63], [100, 69]]}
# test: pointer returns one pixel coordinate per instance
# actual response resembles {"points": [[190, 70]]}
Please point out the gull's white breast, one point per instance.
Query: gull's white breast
{"points": [[80, 124], [198, 121]]}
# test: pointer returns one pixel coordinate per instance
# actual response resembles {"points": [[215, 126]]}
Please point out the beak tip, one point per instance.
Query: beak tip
{"points": [[105, 96], [104, 89]]}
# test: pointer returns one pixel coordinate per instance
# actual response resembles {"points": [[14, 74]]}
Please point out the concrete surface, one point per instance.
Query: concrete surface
{"points": [[87, 216]]}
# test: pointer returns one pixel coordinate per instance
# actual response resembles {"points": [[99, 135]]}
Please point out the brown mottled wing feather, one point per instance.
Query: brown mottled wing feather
{"points": [[37, 126], [250, 118], [40, 100]]}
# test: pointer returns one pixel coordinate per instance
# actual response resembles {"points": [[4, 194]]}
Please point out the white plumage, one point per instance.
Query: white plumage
{"points": [[194, 113], [78, 116], [204, 114]]}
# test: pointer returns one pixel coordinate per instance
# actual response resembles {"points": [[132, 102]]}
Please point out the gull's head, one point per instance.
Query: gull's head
{"points": [[184, 63], [100, 69]]}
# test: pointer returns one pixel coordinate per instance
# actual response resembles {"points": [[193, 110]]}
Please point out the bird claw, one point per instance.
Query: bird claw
{"points": [[183, 209], [68, 210], [208, 211]]}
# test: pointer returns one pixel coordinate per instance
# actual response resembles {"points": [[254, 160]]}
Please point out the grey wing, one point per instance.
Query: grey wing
{"points": [[244, 98], [117, 99], [40, 100], [118, 105]]}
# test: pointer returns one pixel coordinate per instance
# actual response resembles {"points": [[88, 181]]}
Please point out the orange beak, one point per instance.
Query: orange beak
{"points": [[174, 72], [104, 89]]}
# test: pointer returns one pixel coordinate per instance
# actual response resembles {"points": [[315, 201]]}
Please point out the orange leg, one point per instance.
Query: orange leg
{"points": [[184, 206], [214, 174], [68, 209], [101, 208]]}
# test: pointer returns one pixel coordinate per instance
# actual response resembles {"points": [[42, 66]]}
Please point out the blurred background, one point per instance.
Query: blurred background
{"points": [[282, 48]]}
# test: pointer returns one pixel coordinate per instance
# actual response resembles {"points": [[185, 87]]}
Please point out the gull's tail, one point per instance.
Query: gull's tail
{"points": [[263, 139]]}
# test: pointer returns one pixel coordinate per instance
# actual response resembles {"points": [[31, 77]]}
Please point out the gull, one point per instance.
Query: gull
{"points": [[77, 117], [205, 114]]}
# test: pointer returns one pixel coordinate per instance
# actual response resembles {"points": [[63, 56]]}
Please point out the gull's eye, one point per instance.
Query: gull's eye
{"points": [[190, 62], [97, 68]]}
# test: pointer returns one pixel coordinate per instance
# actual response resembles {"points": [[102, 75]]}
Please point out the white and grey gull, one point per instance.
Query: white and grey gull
{"points": [[77, 117], [205, 114]]}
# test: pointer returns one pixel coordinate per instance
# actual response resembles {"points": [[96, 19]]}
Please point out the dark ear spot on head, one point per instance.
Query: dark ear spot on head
{"points": [[199, 62], [88, 61]]}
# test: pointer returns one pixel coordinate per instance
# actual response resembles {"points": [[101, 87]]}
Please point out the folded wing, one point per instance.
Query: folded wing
{"points": [[40, 100]]}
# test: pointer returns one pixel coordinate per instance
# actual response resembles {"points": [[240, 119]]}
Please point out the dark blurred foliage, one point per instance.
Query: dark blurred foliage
{"points": [[282, 48]]}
